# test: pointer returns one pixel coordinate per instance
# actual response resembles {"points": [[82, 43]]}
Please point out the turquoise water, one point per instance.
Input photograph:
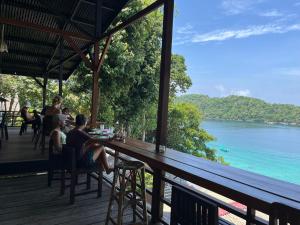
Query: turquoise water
{"points": [[270, 150]]}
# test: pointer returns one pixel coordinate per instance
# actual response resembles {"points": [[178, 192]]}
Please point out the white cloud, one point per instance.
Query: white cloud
{"points": [[245, 93], [234, 7], [187, 29], [297, 4], [289, 71], [223, 91], [271, 13], [256, 30]]}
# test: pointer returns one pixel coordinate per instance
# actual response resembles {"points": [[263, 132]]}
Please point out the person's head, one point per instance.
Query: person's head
{"points": [[66, 111], [27, 104], [56, 101], [80, 120], [57, 122]]}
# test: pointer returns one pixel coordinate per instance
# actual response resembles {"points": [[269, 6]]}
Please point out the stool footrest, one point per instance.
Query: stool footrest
{"points": [[131, 192]]}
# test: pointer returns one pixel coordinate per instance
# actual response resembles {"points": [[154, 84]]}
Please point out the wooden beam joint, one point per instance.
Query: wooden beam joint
{"points": [[73, 45], [38, 82]]}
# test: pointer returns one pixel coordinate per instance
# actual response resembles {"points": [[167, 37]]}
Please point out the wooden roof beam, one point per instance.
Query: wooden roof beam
{"points": [[134, 18], [28, 53], [94, 3], [58, 39], [79, 52], [42, 28], [28, 41], [29, 7], [64, 19], [64, 61], [101, 60], [21, 64], [39, 82], [123, 25]]}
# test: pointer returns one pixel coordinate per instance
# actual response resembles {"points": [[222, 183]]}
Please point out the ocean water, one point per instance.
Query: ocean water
{"points": [[270, 150]]}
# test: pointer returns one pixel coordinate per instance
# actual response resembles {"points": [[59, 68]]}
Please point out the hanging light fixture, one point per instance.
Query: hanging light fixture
{"points": [[3, 45]]}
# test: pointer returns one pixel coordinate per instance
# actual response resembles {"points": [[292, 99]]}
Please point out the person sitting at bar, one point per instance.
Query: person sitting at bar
{"points": [[90, 153], [57, 136], [69, 118], [28, 119], [55, 108]]}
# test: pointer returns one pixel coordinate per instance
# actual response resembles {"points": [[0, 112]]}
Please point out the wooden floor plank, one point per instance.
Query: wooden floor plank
{"points": [[28, 201], [19, 148]]}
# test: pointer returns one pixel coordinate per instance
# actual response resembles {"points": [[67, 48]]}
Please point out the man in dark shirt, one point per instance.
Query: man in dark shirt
{"points": [[89, 151]]}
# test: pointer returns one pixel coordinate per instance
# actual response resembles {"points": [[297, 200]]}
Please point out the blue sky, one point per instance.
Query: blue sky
{"points": [[241, 47]]}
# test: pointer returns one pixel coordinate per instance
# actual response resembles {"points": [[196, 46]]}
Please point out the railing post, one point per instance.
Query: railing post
{"points": [[157, 195], [61, 67], [45, 91], [250, 216]]}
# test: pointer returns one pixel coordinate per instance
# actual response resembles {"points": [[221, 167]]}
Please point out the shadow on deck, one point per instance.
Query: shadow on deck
{"points": [[28, 200], [18, 155]]}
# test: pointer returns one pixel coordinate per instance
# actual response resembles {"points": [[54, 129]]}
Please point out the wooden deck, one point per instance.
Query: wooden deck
{"points": [[28, 201], [19, 148], [18, 155]]}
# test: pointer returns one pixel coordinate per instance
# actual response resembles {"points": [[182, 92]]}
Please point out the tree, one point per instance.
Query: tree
{"points": [[185, 134]]}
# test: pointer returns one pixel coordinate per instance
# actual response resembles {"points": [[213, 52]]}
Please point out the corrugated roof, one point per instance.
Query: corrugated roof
{"points": [[36, 53]]}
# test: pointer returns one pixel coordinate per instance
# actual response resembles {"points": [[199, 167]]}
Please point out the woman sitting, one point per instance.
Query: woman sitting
{"points": [[55, 108], [28, 119], [68, 120], [90, 153], [57, 136]]}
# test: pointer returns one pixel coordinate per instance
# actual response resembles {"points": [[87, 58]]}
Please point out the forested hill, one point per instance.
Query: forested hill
{"points": [[243, 109]]}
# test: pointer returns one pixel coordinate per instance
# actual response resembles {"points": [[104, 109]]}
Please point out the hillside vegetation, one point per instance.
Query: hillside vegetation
{"points": [[240, 108]]}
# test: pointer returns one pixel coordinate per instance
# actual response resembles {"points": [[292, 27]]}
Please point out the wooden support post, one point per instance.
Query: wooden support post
{"points": [[95, 93], [157, 195], [250, 216], [162, 113], [165, 70], [61, 67], [45, 91]]}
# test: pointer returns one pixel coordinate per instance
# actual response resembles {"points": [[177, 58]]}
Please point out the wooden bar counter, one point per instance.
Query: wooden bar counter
{"points": [[254, 190]]}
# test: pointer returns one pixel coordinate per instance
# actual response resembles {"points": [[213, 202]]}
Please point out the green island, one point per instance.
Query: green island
{"points": [[240, 108]]}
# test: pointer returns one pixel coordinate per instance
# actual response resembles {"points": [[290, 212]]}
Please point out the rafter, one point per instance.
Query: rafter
{"points": [[78, 51], [105, 49], [28, 53], [38, 82], [41, 28], [58, 39], [134, 18], [64, 61], [65, 19], [93, 3]]}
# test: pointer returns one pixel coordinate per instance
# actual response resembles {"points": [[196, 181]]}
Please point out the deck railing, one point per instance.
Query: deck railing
{"points": [[12, 118], [247, 215]]}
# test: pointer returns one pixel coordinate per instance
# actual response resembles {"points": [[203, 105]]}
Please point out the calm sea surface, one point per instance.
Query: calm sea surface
{"points": [[271, 150]]}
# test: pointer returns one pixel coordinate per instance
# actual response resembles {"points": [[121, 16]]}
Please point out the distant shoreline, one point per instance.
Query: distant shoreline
{"points": [[244, 109], [255, 121]]}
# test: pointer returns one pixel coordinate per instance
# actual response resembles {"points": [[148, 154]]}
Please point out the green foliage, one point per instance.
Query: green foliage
{"points": [[185, 134], [243, 109]]}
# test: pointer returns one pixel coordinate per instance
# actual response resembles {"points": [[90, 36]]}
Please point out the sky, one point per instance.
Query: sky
{"points": [[241, 47]]}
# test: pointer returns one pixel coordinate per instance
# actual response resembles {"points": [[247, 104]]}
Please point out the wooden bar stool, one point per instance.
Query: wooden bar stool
{"points": [[131, 178]]}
